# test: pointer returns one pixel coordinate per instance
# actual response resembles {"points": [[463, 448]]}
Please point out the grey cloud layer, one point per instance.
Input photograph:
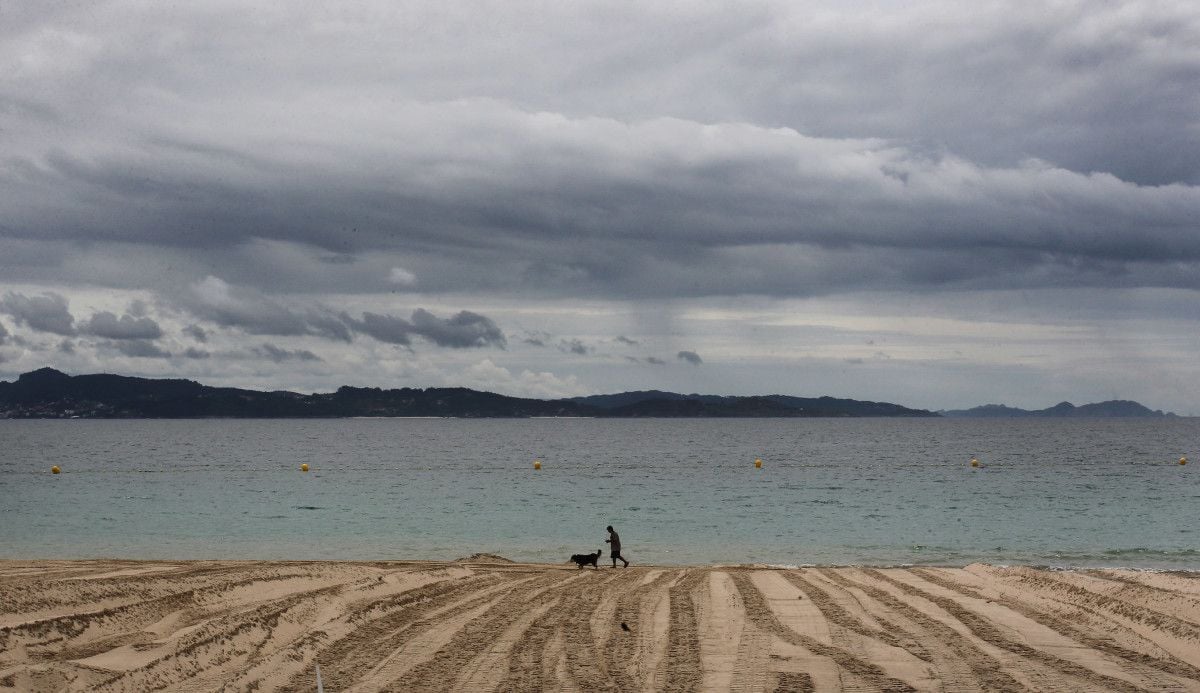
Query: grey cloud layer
{"points": [[279, 354], [256, 313], [253, 313], [461, 331], [296, 190], [138, 348], [771, 149], [45, 313], [106, 324]]}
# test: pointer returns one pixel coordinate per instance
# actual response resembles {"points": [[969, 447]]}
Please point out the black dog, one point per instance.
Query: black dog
{"points": [[582, 559]]}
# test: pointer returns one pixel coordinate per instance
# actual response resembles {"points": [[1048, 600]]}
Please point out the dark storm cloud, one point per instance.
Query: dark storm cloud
{"points": [[196, 354], [279, 355], [45, 313], [707, 226], [328, 325], [690, 357], [385, 328], [649, 360], [780, 149], [106, 324], [255, 313], [460, 331], [3, 334]]}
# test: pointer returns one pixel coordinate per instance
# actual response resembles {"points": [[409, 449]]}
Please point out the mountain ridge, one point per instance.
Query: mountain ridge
{"points": [[48, 393], [1113, 408]]}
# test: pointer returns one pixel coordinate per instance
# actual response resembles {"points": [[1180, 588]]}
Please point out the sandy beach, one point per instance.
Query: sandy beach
{"points": [[483, 624]]}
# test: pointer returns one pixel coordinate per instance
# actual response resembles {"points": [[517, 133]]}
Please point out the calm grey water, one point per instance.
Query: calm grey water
{"points": [[872, 491]]}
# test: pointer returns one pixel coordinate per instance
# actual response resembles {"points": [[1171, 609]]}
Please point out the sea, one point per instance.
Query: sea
{"points": [[876, 491]]}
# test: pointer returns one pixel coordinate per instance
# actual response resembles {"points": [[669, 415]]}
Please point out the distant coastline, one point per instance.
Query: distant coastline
{"points": [[50, 394], [1116, 408]]}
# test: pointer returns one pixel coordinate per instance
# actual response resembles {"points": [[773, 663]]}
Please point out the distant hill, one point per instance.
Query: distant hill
{"points": [[1116, 408], [48, 393], [687, 407], [658, 403]]}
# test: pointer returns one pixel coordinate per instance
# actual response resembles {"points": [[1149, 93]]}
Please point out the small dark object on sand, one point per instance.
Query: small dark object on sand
{"points": [[624, 627], [582, 559]]}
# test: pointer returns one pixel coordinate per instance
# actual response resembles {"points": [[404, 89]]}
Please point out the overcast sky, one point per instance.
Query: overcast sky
{"points": [[940, 204]]}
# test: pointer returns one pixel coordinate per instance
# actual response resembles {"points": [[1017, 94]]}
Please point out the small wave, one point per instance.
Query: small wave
{"points": [[1137, 558], [309, 507], [1164, 553]]}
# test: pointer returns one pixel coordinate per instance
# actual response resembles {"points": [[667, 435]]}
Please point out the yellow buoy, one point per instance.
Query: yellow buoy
{"points": [[757, 463], [974, 462], [1182, 460], [56, 470], [537, 464], [304, 467]]}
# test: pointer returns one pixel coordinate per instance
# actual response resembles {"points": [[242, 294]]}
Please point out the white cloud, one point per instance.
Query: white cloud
{"points": [[486, 375], [401, 276]]}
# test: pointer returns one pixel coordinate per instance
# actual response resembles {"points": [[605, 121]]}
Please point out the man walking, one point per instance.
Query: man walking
{"points": [[614, 544]]}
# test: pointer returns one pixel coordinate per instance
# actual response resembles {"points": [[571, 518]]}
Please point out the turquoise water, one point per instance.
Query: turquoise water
{"points": [[871, 491]]}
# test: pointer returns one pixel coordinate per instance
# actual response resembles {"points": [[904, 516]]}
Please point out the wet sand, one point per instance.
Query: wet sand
{"points": [[486, 624]]}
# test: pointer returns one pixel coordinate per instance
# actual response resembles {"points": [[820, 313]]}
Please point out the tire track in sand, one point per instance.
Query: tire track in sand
{"points": [[464, 647], [537, 662], [733, 650], [205, 626], [845, 628], [793, 682], [760, 613], [632, 656], [1070, 593], [683, 634], [218, 646], [949, 649], [349, 661], [987, 631], [1140, 661], [891, 633]]}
